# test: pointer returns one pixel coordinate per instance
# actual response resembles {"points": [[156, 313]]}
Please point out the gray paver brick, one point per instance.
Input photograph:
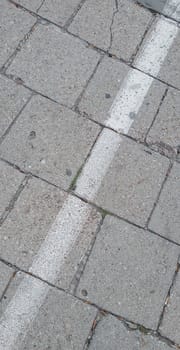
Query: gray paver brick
{"points": [[166, 217], [50, 141], [170, 326], [170, 71], [63, 322], [93, 23], [58, 11], [166, 128], [12, 99], [10, 180], [131, 185], [15, 23], [5, 274], [102, 90], [29, 222], [129, 272], [32, 5], [55, 64], [112, 334]]}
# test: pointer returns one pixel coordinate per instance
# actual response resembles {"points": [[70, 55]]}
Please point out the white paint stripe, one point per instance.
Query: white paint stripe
{"points": [[136, 84], [128, 101], [21, 311], [157, 46], [60, 239], [172, 9], [51, 257], [97, 165], [25, 304]]}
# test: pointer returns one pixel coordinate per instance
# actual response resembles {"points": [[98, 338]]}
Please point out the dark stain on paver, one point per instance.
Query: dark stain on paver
{"points": [[32, 135], [84, 292], [107, 95], [68, 172]]}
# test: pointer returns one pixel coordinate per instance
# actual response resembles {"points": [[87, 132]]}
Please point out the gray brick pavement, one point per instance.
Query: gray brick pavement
{"points": [[102, 90], [122, 268], [105, 26], [10, 180], [170, 72], [29, 222], [129, 272], [32, 5], [12, 98], [50, 141], [132, 183], [58, 11], [55, 64], [110, 333], [63, 322], [171, 320], [15, 23], [6, 273], [166, 217], [166, 128]]}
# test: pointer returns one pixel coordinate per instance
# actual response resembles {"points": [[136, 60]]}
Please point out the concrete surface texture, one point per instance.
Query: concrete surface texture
{"points": [[89, 174]]}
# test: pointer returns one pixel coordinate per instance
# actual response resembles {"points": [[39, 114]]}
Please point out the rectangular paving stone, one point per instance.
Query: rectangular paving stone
{"points": [[26, 227], [15, 23], [55, 64], [132, 183], [62, 322], [5, 274], [170, 326], [10, 180], [129, 272], [49, 141], [58, 11], [12, 99], [166, 128], [110, 333], [101, 92], [101, 24], [166, 216]]}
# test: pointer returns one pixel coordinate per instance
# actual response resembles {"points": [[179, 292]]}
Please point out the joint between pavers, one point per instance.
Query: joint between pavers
{"points": [[167, 300], [100, 311], [112, 23], [160, 150], [71, 18], [78, 100], [14, 199], [156, 114], [82, 264], [26, 37], [95, 322], [131, 326], [7, 285], [72, 186], [159, 193], [14, 120], [139, 46], [43, 1], [105, 212]]}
